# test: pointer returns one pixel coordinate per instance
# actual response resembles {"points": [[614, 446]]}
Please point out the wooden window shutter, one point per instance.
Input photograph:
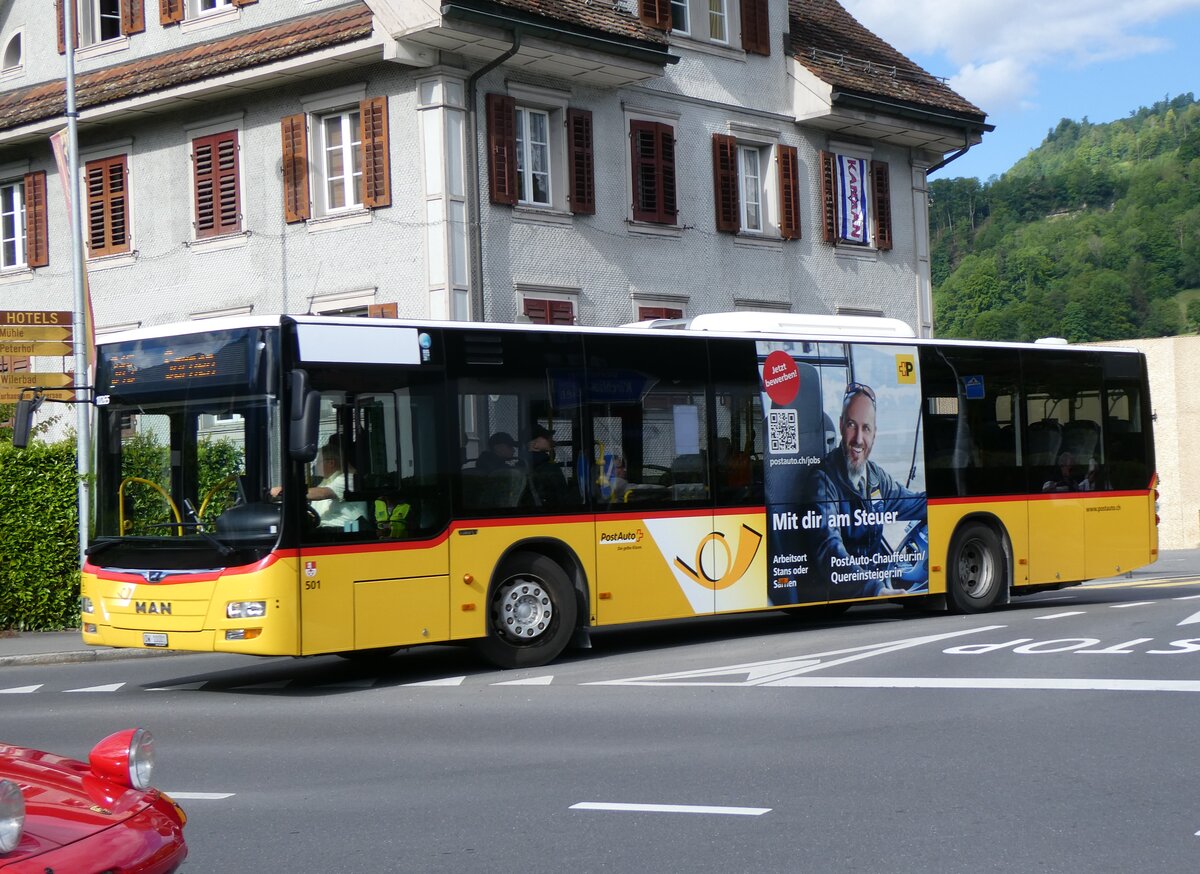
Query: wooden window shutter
{"points": [[383, 311], [756, 27], [133, 16], [216, 172], [656, 13], [537, 311], [562, 312], [881, 190], [666, 157], [645, 313], [725, 183], [107, 206], [502, 148], [37, 241], [377, 174], [170, 11], [296, 205], [828, 198], [581, 162], [653, 157], [789, 193]]}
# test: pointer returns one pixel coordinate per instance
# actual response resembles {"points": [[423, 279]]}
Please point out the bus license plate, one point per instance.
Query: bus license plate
{"points": [[154, 638]]}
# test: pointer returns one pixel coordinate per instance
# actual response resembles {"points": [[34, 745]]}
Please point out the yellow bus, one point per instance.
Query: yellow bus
{"points": [[309, 485]]}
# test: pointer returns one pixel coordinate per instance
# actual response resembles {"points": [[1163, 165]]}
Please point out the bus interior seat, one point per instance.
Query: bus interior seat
{"points": [[1080, 438], [1045, 439]]}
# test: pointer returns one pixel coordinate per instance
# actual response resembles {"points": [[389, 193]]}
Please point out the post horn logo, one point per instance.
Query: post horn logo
{"points": [[736, 565]]}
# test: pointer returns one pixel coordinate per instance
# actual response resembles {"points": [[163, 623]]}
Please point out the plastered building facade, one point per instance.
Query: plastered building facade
{"points": [[505, 160]]}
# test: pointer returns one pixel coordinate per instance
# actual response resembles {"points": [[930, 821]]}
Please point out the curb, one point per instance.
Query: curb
{"points": [[102, 655]]}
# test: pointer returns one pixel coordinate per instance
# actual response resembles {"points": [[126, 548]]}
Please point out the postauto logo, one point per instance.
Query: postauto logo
{"points": [[622, 537]]}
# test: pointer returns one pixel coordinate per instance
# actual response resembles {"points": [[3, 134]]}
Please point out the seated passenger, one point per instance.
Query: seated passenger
{"points": [[501, 452]]}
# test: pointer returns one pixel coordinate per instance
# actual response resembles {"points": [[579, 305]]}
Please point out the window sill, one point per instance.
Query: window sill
{"points": [[707, 47], [759, 241], [110, 262], [348, 219], [856, 253], [533, 215], [12, 73], [15, 275], [653, 229], [99, 49], [220, 243], [212, 19]]}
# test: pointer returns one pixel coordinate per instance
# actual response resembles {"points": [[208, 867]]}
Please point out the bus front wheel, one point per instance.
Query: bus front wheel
{"points": [[977, 569], [531, 613]]}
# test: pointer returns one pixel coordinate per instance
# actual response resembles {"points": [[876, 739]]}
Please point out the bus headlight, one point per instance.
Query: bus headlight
{"points": [[245, 609], [12, 816], [85, 605]]}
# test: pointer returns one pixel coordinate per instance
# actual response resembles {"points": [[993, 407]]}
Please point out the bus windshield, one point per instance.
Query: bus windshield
{"points": [[188, 451]]}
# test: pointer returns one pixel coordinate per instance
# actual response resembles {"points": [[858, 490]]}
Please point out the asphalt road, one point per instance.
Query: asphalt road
{"points": [[1054, 735]]}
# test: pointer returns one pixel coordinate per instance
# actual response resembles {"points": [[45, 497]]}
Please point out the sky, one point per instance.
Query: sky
{"points": [[1031, 63]]}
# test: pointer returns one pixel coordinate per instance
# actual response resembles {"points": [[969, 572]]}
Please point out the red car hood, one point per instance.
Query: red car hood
{"points": [[64, 800]]}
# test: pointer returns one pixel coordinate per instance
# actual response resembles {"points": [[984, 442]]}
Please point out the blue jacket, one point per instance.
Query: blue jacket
{"points": [[860, 532]]}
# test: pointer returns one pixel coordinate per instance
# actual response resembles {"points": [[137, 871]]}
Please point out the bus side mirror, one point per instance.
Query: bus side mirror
{"points": [[23, 422], [304, 418]]}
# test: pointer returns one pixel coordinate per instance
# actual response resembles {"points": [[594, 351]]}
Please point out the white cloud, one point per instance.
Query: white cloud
{"points": [[998, 47]]}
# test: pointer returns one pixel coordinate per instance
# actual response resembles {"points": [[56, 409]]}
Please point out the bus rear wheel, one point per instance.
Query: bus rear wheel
{"points": [[977, 569], [531, 613]]}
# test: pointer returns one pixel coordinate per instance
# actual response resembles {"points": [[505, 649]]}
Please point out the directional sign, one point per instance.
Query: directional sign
{"points": [[34, 347], [29, 318], [25, 333], [25, 378], [10, 395]]}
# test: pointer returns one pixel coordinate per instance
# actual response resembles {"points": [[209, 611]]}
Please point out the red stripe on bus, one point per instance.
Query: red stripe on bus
{"points": [[1052, 496]]}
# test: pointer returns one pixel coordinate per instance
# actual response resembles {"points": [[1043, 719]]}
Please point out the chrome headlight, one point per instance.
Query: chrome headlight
{"points": [[126, 757], [12, 816]]}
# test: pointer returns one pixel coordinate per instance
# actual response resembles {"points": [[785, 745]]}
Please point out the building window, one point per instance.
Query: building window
{"points": [[217, 184], [14, 58], [718, 21], [107, 182], [679, 17], [533, 157], [749, 199], [100, 21], [350, 162], [341, 160], [175, 11], [540, 152], [856, 204], [646, 312], [12, 225], [653, 161]]}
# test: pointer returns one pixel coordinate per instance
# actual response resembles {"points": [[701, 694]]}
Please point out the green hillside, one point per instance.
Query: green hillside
{"points": [[1094, 235]]}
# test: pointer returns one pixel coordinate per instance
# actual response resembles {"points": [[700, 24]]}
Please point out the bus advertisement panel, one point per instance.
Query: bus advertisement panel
{"points": [[844, 475]]}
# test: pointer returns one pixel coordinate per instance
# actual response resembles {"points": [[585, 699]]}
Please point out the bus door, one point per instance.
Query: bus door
{"points": [[1062, 427], [374, 562], [651, 479]]}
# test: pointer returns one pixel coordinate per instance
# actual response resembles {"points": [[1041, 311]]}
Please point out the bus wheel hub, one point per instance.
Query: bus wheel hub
{"points": [[524, 610]]}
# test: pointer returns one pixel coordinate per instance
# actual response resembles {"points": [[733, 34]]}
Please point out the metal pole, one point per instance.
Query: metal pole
{"points": [[83, 442]]}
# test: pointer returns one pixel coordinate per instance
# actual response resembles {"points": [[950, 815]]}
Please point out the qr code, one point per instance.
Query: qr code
{"points": [[784, 432]]}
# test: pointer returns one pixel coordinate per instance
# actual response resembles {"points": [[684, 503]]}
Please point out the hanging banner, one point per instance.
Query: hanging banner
{"points": [[852, 209]]}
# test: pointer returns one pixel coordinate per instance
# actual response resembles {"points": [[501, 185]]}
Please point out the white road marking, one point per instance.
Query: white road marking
{"points": [[1061, 615], [199, 796], [1186, 598], [763, 673], [1042, 683], [446, 681], [529, 681], [21, 690], [1130, 604], [1055, 598], [107, 687], [670, 808], [1195, 617]]}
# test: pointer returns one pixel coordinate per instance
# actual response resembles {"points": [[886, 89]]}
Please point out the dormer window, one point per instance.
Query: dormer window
{"points": [[14, 57]]}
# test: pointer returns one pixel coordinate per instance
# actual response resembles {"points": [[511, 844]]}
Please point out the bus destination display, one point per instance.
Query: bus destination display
{"points": [[214, 360]]}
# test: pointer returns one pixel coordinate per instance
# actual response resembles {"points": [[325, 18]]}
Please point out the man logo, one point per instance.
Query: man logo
{"points": [[155, 608]]}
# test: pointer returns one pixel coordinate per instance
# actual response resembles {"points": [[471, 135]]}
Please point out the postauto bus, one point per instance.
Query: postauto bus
{"points": [[307, 485]]}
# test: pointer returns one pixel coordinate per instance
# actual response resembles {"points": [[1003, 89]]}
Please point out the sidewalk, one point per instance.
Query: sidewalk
{"points": [[60, 647]]}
